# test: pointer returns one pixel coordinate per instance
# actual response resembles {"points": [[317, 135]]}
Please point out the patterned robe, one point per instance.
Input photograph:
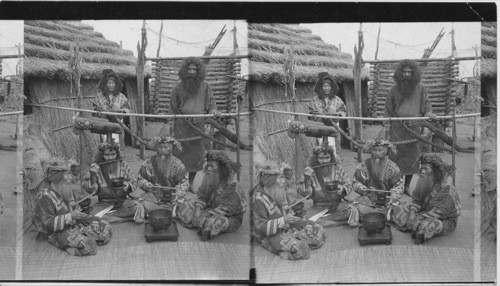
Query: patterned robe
{"points": [[114, 103], [331, 106], [292, 242], [182, 103], [390, 180], [103, 182], [418, 105], [222, 209], [52, 218], [175, 174], [320, 195], [437, 212]]}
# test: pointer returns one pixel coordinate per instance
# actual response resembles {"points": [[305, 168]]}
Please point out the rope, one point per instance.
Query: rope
{"points": [[139, 114], [368, 118]]}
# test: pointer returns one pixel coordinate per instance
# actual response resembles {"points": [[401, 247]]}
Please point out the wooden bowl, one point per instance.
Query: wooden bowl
{"points": [[118, 182], [160, 219], [374, 222]]}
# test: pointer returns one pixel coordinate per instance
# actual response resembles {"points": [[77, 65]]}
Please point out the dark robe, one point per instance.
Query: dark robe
{"points": [[181, 103], [418, 105]]}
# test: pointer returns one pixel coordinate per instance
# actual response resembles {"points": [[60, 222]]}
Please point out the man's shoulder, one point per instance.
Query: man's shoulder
{"points": [[177, 162], [392, 165]]}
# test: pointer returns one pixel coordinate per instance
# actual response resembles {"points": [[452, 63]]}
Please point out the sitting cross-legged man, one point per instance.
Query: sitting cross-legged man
{"points": [[219, 204], [435, 206], [275, 229], [378, 181], [62, 223], [326, 183], [112, 180]]}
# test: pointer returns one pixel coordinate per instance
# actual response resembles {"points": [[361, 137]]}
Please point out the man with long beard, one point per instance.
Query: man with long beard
{"points": [[435, 206], [220, 203], [63, 224], [326, 183], [408, 98], [275, 228], [378, 181], [192, 95], [112, 180]]}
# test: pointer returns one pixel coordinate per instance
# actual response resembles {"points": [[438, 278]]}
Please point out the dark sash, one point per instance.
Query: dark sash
{"points": [[163, 181]]}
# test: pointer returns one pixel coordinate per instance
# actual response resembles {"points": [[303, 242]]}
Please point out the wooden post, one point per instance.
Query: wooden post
{"points": [[289, 67], [357, 86], [238, 101], [74, 65], [454, 128], [378, 40], [139, 69], [159, 42]]}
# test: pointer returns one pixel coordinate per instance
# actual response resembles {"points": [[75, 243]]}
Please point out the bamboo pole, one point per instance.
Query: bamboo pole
{"points": [[378, 40], [424, 60], [74, 65], [201, 58], [11, 113], [11, 56], [238, 102], [289, 67], [141, 60], [357, 86], [364, 118]]}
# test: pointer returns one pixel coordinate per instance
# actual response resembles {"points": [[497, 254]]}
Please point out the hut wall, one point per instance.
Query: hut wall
{"points": [[442, 92], [224, 88], [489, 94], [57, 93]]}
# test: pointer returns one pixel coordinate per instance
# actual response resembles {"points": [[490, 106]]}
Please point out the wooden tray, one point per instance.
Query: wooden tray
{"points": [[169, 234], [383, 237]]}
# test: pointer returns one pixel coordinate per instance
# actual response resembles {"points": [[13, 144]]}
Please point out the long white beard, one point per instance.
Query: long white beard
{"points": [[425, 184], [210, 182]]}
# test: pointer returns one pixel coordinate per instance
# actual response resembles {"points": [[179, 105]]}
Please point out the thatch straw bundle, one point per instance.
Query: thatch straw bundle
{"points": [[267, 43], [488, 172], [488, 50]]}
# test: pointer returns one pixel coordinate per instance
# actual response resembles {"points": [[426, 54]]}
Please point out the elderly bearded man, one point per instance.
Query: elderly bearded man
{"points": [[275, 228], [435, 205], [327, 183], [192, 95], [220, 203], [63, 224], [378, 181], [408, 98]]}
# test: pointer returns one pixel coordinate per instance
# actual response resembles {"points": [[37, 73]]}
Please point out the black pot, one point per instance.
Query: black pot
{"points": [[373, 222], [160, 219]]}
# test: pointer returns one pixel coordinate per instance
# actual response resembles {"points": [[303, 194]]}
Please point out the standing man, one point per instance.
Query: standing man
{"points": [[408, 98], [192, 95]]}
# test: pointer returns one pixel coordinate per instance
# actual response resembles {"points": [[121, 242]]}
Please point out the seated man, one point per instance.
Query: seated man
{"points": [[220, 203], [64, 227], [112, 180], [378, 181], [326, 183], [280, 232], [435, 205]]}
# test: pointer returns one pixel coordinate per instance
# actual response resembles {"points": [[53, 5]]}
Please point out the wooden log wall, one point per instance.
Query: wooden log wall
{"points": [[224, 88], [442, 92]]}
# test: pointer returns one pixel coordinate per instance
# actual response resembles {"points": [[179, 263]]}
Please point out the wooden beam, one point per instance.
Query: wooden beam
{"points": [[202, 58], [424, 60], [141, 60], [358, 52]]}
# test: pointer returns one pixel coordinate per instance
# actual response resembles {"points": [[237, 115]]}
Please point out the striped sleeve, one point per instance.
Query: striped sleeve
{"points": [[263, 225], [145, 175], [344, 180], [50, 220]]}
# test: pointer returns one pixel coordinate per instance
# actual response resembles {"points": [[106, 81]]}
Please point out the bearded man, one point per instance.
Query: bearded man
{"points": [[62, 223], [112, 180], [326, 183], [275, 228], [435, 206], [192, 95], [378, 181], [220, 202], [408, 98]]}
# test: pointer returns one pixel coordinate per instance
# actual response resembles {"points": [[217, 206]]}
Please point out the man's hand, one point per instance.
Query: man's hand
{"points": [[148, 187], [432, 116], [77, 215], [291, 219], [363, 190], [395, 196]]}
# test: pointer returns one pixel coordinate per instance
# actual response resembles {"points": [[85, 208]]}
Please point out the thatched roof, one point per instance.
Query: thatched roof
{"points": [[488, 50], [47, 44], [267, 44]]}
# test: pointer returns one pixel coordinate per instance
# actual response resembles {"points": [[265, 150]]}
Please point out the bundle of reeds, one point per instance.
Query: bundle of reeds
{"points": [[488, 50], [488, 173]]}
